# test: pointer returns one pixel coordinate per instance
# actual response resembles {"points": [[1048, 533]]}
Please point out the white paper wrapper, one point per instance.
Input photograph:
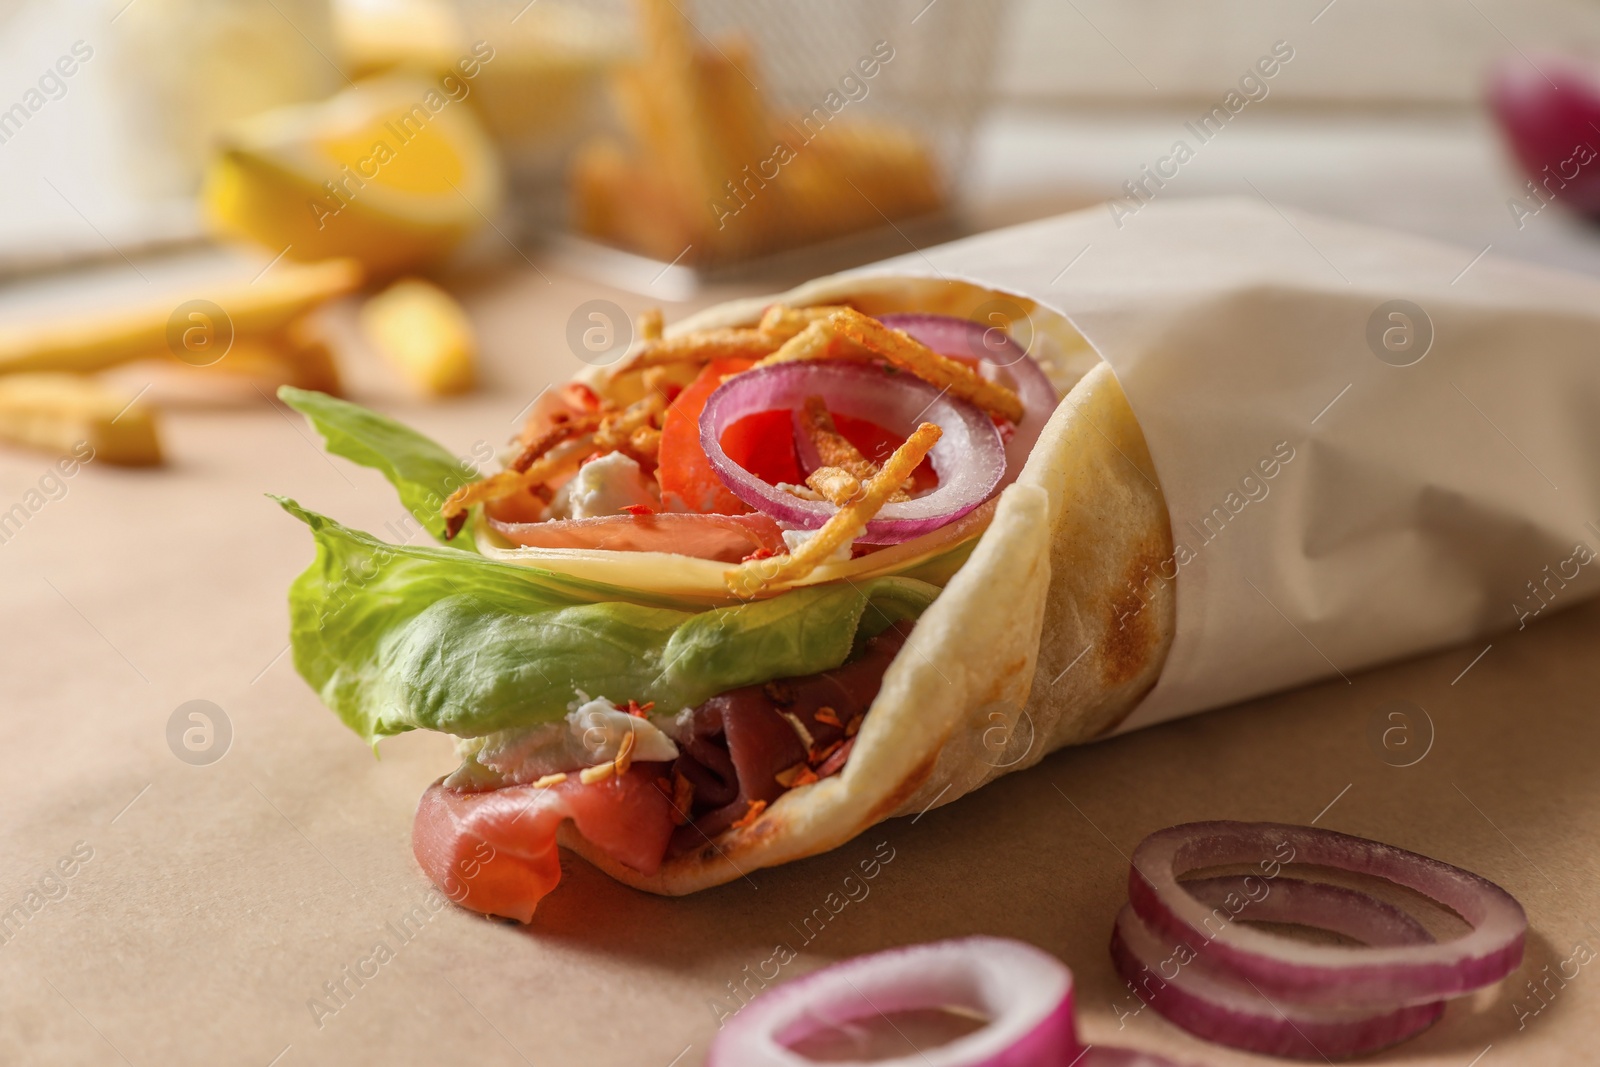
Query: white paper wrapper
{"points": [[1409, 506]]}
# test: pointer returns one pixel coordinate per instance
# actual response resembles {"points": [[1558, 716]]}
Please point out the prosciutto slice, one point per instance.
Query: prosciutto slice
{"points": [[725, 538], [495, 852], [743, 739]]}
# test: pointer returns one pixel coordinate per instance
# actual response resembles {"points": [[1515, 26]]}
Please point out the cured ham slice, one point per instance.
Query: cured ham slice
{"points": [[741, 742], [495, 852], [725, 538]]}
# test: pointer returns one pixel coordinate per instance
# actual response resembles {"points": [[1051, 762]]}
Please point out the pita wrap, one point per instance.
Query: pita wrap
{"points": [[1035, 642], [1452, 489]]}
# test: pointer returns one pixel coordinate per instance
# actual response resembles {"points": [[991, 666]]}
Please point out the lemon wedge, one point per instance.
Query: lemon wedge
{"points": [[392, 172]]}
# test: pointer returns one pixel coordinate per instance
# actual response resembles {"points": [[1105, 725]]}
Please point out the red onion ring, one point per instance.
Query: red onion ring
{"points": [[1306, 975], [1025, 993], [969, 458], [1184, 988], [1003, 361], [1548, 106], [1101, 1056]]}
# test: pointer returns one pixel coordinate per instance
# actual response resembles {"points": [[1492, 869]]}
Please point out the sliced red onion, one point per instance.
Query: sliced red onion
{"points": [[805, 449], [1025, 994], [1295, 972], [1185, 987], [969, 457], [1101, 1056], [1549, 107], [1003, 361]]}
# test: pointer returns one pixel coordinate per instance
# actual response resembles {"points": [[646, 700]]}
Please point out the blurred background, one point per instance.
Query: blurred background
{"points": [[354, 194]]}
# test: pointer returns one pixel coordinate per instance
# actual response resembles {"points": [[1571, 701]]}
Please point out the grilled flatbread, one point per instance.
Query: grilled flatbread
{"points": [[1048, 635]]}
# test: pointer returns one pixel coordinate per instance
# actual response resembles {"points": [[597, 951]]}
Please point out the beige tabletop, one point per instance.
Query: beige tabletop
{"points": [[207, 905], [155, 910]]}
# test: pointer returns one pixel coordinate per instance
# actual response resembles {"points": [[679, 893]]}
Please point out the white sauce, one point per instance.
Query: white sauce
{"points": [[605, 486], [590, 735], [795, 538]]}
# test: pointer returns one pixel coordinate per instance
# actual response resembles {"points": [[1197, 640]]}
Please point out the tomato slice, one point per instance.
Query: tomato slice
{"points": [[688, 482], [761, 443]]}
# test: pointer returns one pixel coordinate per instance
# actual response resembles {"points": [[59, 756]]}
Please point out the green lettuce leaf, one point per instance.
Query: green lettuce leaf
{"points": [[421, 470], [399, 637]]}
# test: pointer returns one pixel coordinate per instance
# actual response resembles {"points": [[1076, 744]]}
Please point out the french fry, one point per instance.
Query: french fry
{"points": [[758, 575], [689, 183], [85, 343], [61, 412], [240, 381], [424, 334], [859, 174], [305, 347]]}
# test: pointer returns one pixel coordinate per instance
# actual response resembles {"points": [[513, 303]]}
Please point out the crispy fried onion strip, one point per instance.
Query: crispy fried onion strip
{"points": [[650, 324], [702, 346], [617, 431], [783, 322], [754, 576], [564, 458], [834, 484], [900, 350], [567, 426], [835, 449], [777, 325], [631, 431]]}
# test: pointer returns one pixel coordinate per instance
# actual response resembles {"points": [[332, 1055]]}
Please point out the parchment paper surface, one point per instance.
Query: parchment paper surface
{"points": [[220, 899]]}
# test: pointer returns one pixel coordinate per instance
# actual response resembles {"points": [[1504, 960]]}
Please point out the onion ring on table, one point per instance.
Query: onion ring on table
{"points": [[1180, 984], [969, 457], [1026, 995], [1337, 976]]}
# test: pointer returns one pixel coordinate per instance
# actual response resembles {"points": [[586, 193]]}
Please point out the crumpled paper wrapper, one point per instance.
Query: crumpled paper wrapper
{"points": [[1371, 445]]}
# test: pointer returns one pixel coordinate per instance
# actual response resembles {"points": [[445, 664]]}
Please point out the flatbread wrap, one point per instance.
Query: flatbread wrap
{"points": [[793, 567]]}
